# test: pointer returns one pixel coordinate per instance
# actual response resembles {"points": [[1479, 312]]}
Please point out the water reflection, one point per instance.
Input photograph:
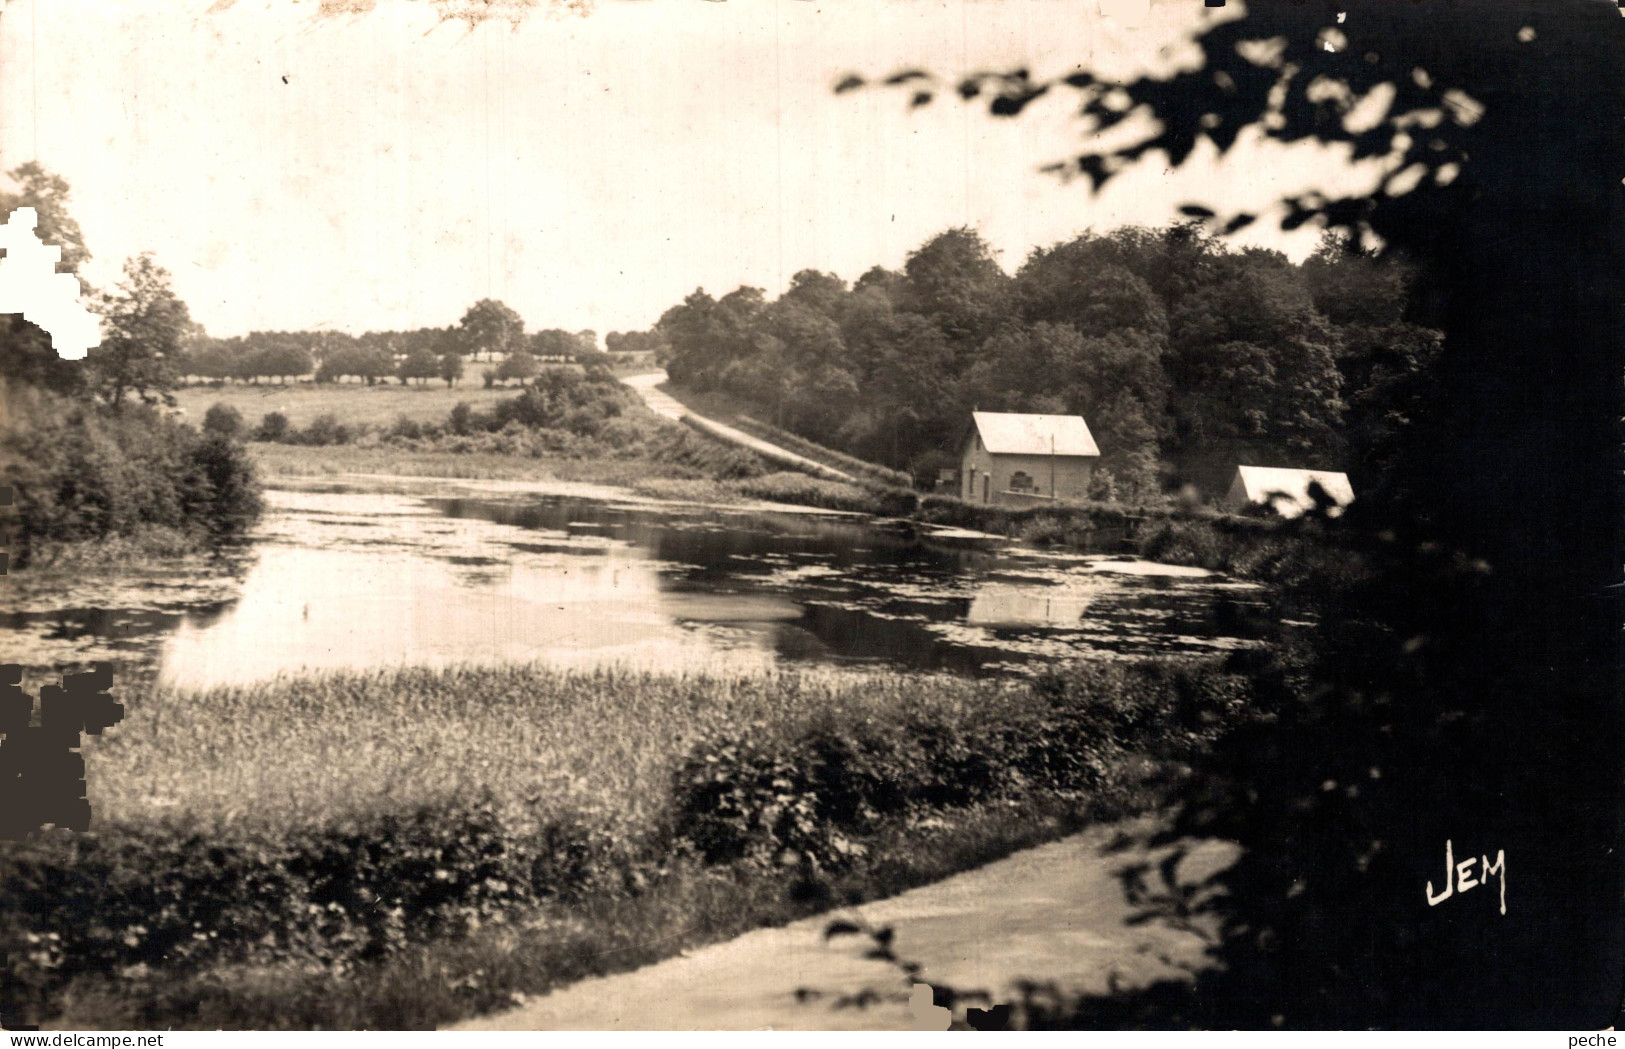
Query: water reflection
{"points": [[1001, 604]]}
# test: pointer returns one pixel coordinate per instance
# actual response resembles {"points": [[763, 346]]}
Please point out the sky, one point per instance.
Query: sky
{"points": [[298, 165]]}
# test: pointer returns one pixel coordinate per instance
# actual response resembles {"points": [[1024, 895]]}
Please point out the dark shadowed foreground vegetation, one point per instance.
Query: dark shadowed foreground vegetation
{"points": [[1464, 682], [351, 881]]}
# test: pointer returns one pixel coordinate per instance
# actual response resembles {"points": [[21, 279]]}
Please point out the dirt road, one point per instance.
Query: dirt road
{"points": [[1052, 913], [663, 403]]}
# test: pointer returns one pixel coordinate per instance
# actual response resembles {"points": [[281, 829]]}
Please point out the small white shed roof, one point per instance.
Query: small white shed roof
{"points": [[1014, 433], [1258, 483]]}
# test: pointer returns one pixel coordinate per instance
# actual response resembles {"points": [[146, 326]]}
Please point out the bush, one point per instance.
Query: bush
{"points": [[273, 427], [804, 490], [1184, 543], [405, 427], [233, 500], [748, 794], [224, 420], [326, 429], [157, 899]]}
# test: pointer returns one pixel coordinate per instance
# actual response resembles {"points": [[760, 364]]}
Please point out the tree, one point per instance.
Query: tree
{"points": [[420, 364], [954, 280], [282, 360], [1467, 689], [823, 293], [337, 363], [1253, 368], [215, 359], [490, 327], [451, 367], [144, 326], [1073, 283], [554, 343], [517, 365]]}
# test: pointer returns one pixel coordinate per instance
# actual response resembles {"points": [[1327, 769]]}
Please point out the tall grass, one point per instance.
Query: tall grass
{"points": [[352, 742]]}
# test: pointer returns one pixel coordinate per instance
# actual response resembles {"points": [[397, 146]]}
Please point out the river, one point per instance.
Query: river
{"points": [[370, 575]]}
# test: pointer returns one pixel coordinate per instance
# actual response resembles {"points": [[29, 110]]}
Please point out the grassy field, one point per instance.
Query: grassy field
{"points": [[517, 827], [352, 402]]}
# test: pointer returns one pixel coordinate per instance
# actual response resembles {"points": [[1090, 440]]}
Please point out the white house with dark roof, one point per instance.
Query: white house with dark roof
{"points": [[1014, 459], [1288, 490]]}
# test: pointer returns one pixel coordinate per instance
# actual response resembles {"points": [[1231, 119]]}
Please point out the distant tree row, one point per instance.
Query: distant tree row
{"points": [[1184, 356], [488, 331], [652, 341]]}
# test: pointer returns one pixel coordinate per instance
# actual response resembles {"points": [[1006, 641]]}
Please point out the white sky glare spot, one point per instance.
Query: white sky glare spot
{"points": [[31, 286], [590, 171]]}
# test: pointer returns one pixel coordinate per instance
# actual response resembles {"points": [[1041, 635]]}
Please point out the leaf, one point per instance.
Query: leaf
{"points": [[1008, 105], [1196, 211], [840, 928], [905, 76], [850, 82], [920, 98], [1239, 222]]}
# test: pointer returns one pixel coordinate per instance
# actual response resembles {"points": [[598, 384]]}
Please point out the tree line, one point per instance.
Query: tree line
{"points": [[489, 330], [1184, 355]]}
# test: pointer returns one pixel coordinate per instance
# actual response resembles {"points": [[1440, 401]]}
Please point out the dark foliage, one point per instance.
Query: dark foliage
{"points": [[1174, 347], [1464, 685], [83, 472], [745, 795]]}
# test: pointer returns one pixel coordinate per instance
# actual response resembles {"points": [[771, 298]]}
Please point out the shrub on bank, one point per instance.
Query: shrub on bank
{"points": [[806, 490], [746, 794], [84, 473]]}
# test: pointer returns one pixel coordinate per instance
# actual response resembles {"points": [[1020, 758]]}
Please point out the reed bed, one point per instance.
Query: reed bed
{"points": [[313, 750]]}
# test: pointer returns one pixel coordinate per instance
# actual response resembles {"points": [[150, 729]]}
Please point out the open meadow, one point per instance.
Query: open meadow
{"points": [[353, 403]]}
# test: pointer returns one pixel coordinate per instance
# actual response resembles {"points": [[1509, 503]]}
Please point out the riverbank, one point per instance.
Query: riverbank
{"points": [[419, 841], [642, 450]]}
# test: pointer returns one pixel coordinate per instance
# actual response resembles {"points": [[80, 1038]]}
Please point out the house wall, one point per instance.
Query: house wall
{"points": [[1072, 475]]}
